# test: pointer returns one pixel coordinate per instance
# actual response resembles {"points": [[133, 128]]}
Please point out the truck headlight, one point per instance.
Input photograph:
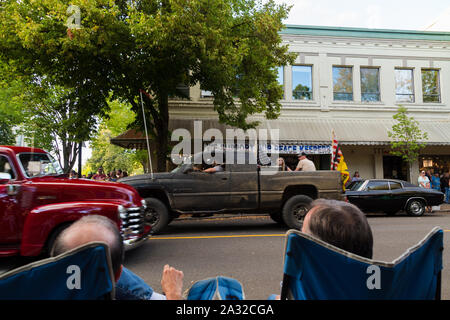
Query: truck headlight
{"points": [[121, 212], [144, 204]]}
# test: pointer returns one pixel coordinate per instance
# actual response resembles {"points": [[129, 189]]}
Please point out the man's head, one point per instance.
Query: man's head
{"points": [[302, 156], [341, 224], [93, 228]]}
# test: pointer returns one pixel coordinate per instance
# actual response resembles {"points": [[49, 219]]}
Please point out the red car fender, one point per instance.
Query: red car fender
{"points": [[42, 220]]}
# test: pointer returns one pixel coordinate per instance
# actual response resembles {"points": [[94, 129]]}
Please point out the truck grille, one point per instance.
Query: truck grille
{"points": [[132, 223]]}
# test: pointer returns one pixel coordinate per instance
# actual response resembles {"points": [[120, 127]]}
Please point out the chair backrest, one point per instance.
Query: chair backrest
{"points": [[218, 288], [314, 270], [84, 273]]}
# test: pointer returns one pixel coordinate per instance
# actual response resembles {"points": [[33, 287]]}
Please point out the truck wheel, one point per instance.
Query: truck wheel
{"points": [[156, 214], [294, 211]]}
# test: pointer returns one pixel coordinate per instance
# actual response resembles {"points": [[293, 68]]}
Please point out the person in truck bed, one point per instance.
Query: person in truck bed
{"points": [[128, 285]]}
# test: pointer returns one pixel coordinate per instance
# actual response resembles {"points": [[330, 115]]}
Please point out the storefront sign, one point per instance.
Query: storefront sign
{"points": [[280, 148]]}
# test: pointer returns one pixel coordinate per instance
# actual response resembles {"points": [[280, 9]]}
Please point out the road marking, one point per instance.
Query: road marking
{"points": [[232, 236], [215, 237]]}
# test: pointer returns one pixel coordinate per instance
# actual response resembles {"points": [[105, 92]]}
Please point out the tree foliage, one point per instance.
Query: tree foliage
{"points": [[407, 138], [229, 47]]}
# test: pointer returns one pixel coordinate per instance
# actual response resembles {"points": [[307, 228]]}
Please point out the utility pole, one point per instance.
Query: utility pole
{"points": [[80, 147]]}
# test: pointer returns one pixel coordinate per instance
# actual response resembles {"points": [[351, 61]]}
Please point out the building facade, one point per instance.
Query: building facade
{"points": [[351, 81]]}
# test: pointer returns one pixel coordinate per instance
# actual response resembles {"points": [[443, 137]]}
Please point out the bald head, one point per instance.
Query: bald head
{"points": [[340, 224], [88, 229]]}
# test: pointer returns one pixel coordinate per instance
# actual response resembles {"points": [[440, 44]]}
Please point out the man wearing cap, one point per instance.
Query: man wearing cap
{"points": [[304, 164]]}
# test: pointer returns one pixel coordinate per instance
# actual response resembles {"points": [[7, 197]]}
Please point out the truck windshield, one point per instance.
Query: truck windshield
{"points": [[39, 165]]}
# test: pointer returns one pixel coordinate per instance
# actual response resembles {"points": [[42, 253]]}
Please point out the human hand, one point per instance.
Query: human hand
{"points": [[172, 283]]}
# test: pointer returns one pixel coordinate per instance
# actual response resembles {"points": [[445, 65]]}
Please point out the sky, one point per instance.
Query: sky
{"points": [[380, 14]]}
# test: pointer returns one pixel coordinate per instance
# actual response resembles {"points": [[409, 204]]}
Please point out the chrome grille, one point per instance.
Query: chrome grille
{"points": [[132, 222]]}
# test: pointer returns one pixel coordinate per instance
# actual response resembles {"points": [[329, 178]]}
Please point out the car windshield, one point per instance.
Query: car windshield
{"points": [[39, 165], [355, 185]]}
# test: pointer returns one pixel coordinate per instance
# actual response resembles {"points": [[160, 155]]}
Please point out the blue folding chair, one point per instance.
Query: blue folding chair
{"points": [[84, 273], [218, 288], [316, 270]]}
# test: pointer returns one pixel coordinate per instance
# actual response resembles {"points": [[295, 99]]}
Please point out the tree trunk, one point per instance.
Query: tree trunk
{"points": [[162, 138]]}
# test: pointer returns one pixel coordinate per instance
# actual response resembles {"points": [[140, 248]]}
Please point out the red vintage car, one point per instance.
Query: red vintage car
{"points": [[38, 201]]}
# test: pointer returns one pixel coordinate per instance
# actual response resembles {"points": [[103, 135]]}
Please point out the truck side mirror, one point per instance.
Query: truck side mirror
{"points": [[12, 190]]}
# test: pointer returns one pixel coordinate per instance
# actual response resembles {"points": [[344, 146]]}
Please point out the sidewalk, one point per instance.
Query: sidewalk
{"points": [[445, 207]]}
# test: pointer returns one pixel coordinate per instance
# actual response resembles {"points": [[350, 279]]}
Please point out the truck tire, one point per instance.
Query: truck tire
{"points": [[156, 215], [294, 211]]}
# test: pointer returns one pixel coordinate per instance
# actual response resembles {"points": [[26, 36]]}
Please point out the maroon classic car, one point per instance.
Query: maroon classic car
{"points": [[38, 201]]}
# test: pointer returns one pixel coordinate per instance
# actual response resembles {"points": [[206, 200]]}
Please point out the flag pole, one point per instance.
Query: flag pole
{"points": [[146, 136]]}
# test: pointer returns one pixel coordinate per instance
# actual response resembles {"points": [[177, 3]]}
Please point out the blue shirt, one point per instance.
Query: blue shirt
{"points": [[132, 287]]}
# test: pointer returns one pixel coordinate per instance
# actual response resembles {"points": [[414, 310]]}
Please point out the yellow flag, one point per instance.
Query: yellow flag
{"points": [[342, 167]]}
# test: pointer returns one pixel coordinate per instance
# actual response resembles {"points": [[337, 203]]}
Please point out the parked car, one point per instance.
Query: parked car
{"points": [[238, 188], [391, 196], [38, 201]]}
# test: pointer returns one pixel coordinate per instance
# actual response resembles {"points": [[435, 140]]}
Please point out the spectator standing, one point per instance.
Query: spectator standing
{"points": [[436, 182], [100, 175], [424, 182], [356, 177], [112, 176], [445, 181]]}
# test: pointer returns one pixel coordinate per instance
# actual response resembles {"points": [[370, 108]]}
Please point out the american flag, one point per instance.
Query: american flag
{"points": [[336, 153]]}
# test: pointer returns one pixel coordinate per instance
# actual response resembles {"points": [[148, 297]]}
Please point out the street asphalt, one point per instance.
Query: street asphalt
{"points": [[250, 249]]}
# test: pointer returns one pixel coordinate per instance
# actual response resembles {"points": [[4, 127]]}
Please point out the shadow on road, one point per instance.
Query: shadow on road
{"points": [[222, 225]]}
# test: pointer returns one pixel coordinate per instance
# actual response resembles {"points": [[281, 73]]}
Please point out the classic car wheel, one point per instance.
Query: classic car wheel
{"points": [[156, 214], [415, 208], [294, 211]]}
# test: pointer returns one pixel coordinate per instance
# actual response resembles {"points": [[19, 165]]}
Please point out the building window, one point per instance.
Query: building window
{"points": [[404, 85], [280, 77], [206, 94], [302, 83], [370, 84], [343, 83], [430, 85]]}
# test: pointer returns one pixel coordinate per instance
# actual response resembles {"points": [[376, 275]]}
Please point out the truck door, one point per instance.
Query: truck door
{"points": [[201, 191], [10, 225], [244, 187]]}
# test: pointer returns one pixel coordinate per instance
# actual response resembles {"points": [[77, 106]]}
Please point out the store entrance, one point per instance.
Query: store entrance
{"points": [[394, 168]]}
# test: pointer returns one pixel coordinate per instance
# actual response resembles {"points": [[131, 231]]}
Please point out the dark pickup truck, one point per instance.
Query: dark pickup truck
{"points": [[240, 188]]}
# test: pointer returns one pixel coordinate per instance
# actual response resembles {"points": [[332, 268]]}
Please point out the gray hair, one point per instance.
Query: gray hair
{"points": [[116, 248]]}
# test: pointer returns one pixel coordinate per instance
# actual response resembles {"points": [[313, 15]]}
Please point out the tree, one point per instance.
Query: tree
{"points": [[230, 47], [407, 138], [62, 94], [107, 155]]}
